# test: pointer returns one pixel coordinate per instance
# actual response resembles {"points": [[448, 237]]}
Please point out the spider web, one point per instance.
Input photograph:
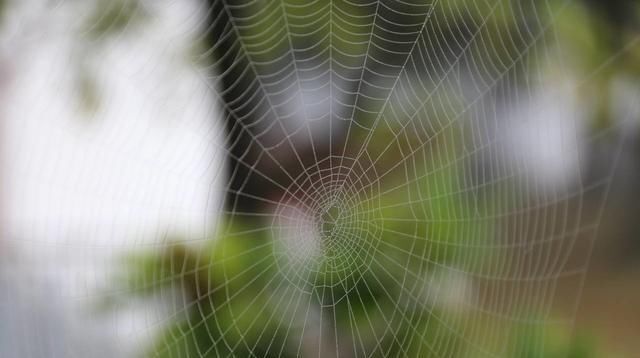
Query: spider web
{"points": [[385, 195], [391, 210]]}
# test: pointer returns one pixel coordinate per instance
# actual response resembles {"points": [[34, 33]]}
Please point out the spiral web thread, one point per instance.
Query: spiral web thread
{"points": [[367, 122]]}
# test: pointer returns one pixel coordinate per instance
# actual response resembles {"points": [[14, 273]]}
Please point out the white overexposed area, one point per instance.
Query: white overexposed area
{"points": [[84, 184]]}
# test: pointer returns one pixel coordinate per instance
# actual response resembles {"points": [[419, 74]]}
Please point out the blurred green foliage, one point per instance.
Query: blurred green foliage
{"points": [[113, 17], [536, 340], [236, 297]]}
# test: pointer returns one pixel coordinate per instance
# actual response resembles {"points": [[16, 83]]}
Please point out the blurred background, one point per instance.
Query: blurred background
{"points": [[207, 178]]}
